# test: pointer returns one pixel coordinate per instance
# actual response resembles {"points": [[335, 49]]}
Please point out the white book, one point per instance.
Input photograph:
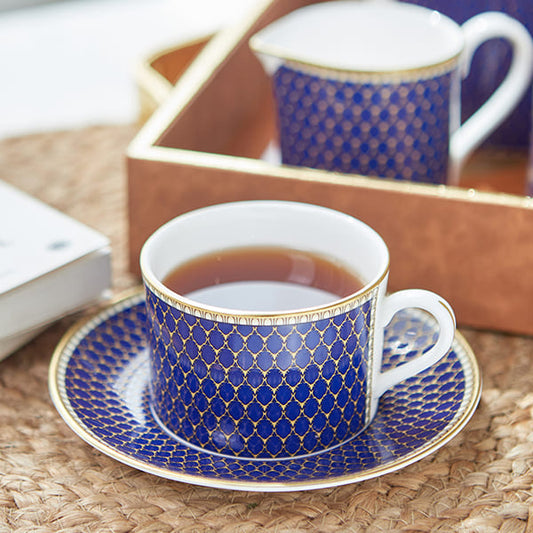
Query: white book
{"points": [[50, 266]]}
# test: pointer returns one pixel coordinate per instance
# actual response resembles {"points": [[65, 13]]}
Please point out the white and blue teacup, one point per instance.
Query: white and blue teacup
{"points": [[255, 372], [373, 88]]}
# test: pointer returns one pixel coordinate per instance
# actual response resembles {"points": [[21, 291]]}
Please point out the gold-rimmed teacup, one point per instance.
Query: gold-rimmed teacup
{"points": [[283, 380]]}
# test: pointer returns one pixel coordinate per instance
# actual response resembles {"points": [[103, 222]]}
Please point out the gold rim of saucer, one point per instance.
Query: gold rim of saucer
{"points": [[133, 296]]}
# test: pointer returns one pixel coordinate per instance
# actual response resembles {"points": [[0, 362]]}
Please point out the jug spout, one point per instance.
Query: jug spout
{"points": [[267, 57]]}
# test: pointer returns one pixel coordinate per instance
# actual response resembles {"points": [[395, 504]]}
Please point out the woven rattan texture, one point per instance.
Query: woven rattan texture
{"points": [[52, 481]]}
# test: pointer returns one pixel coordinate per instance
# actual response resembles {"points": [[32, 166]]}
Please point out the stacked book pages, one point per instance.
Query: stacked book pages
{"points": [[50, 266]]}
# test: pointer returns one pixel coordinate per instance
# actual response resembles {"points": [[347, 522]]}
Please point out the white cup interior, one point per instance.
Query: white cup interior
{"points": [[306, 227], [362, 36]]}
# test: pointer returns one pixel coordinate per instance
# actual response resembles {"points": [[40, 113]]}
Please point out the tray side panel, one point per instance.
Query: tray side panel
{"points": [[472, 253], [222, 117]]}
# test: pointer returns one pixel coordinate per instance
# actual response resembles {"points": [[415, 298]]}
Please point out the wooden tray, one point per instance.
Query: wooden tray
{"points": [[204, 143]]}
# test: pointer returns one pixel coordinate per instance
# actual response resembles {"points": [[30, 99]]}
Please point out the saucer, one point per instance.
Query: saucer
{"points": [[99, 384]]}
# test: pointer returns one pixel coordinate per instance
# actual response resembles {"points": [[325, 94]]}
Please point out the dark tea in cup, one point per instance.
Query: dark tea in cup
{"points": [[263, 278]]}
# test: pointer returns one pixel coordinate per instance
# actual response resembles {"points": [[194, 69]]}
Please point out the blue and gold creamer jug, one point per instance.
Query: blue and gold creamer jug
{"points": [[373, 88]]}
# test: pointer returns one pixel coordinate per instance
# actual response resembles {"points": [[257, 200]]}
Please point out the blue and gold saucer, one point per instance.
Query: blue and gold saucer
{"points": [[99, 384]]}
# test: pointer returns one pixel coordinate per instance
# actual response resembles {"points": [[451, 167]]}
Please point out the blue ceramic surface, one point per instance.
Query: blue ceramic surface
{"points": [[490, 65], [390, 128], [99, 383], [260, 391]]}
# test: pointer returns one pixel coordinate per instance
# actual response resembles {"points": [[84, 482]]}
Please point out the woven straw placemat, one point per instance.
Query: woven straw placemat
{"points": [[50, 480]]}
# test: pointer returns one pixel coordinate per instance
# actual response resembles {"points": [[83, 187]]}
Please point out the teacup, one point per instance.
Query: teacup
{"points": [[251, 370], [373, 88]]}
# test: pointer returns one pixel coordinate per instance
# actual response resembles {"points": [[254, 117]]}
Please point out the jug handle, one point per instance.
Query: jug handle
{"points": [[493, 112]]}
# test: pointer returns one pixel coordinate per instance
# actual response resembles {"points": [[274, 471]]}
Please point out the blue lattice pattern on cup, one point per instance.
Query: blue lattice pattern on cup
{"points": [[393, 130], [260, 391], [103, 377]]}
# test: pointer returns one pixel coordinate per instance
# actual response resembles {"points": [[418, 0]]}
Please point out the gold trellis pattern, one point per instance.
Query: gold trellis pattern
{"points": [[261, 391], [365, 124]]}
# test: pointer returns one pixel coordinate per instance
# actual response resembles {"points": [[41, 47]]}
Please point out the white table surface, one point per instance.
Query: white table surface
{"points": [[69, 64]]}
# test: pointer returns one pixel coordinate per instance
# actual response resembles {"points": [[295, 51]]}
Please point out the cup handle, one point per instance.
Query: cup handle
{"points": [[493, 112], [443, 313]]}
